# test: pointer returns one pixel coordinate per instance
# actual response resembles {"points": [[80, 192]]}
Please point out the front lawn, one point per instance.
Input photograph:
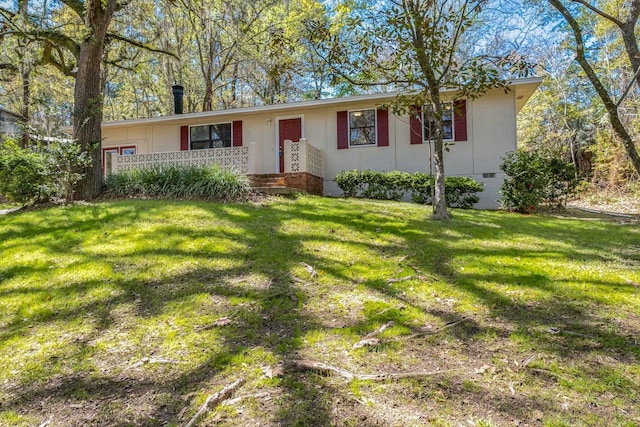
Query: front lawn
{"points": [[134, 312]]}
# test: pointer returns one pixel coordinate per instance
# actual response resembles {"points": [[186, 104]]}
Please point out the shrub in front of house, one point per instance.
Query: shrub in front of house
{"points": [[460, 192], [176, 182], [24, 174], [533, 179], [40, 174], [373, 184]]}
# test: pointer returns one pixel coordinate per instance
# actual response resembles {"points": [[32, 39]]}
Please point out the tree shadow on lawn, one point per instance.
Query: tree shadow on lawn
{"points": [[271, 318], [565, 325], [568, 326], [273, 321]]}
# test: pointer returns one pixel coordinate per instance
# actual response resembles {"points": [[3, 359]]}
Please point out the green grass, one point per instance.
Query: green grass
{"points": [[90, 292]]}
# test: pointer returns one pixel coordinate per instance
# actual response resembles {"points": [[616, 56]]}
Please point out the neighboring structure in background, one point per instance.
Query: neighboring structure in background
{"points": [[10, 123], [305, 145]]}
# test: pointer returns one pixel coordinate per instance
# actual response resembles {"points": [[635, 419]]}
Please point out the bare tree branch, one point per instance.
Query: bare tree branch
{"points": [[588, 5], [141, 45]]}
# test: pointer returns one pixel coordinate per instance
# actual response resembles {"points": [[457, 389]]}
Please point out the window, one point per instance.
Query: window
{"points": [[362, 128], [123, 150], [210, 136], [447, 122]]}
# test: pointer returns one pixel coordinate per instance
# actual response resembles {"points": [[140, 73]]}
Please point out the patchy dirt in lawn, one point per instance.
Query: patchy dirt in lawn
{"points": [[467, 374]]}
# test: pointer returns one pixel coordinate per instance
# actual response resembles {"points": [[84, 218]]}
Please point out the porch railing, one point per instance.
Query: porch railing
{"points": [[301, 156], [241, 159]]}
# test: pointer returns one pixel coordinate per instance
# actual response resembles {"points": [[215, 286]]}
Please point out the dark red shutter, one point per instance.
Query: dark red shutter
{"points": [[343, 130], [460, 120], [237, 133], [184, 138], [383, 127], [415, 124]]}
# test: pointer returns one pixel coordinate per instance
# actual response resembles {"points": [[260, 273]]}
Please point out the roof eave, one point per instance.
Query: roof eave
{"points": [[524, 88]]}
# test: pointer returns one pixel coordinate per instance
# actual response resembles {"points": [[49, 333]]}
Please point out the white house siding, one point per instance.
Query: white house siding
{"points": [[494, 130], [140, 136], [491, 131]]}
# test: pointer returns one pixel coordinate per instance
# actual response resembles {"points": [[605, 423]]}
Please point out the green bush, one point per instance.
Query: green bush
{"points": [[460, 192], [24, 174], [350, 182], [65, 160], [211, 183], [373, 184], [533, 179], [36, 175]]}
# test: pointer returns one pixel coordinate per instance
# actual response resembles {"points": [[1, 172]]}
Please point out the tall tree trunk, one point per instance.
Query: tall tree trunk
{"points": [[87, 117], [26, 101], [25, 71], [440, 211], [207, 101], [628, 31]]}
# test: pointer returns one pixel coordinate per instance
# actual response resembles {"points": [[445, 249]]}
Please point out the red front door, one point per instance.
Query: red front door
{"points": [[288, 129]]}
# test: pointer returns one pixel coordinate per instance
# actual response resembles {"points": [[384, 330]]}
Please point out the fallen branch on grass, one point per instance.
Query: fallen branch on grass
{"points": [[47, 422], [370, 338], [214, 400], [406, 278], [150, 361], [525, 363], [556, 331], [422, 273], [299, 280], [223, 321], [309, 269], [262, 395], [434, 332], [406, 257], [323, 368]]}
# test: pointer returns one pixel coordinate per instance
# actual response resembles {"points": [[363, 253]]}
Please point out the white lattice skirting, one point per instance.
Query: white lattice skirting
{"points": [[236, 158]]}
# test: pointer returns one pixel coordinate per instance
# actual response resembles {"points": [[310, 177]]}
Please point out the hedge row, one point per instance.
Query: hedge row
{"points": [[210, 183], [460, 192]]}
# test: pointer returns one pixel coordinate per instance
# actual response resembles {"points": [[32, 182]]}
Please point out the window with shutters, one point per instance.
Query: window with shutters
{"points": [[429, 122], [210, 136], [362, 127]]}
